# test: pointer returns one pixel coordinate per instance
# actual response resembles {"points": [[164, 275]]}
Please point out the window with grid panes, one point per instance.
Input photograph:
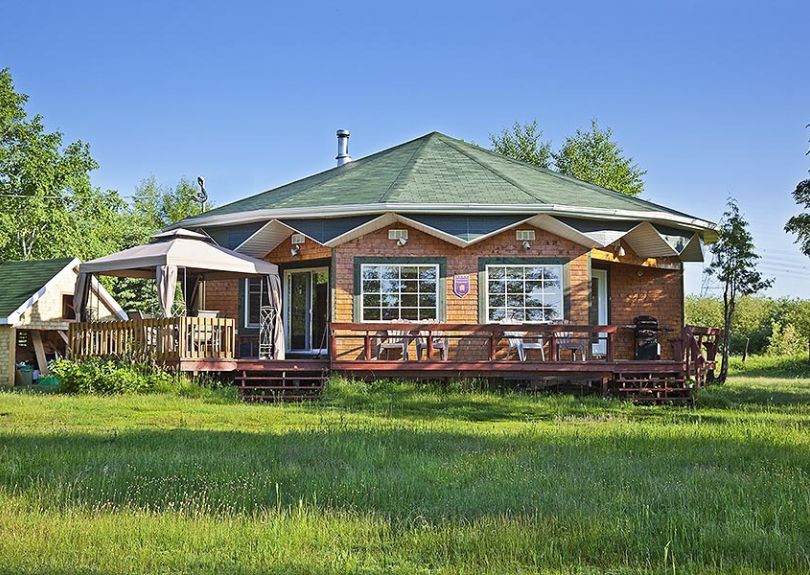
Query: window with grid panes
{"points": [[399, 292], [525, 293]]}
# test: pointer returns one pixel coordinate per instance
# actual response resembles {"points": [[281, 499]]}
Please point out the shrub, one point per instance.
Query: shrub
{"points": [[107, 377], [785, 340]]}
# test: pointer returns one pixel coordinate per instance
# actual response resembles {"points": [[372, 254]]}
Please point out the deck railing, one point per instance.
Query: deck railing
{"points": [[489, 342], [166, 341], [698, 350]]}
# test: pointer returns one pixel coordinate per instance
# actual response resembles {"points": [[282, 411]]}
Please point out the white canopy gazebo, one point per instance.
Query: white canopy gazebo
{"points": [[182, 254]]}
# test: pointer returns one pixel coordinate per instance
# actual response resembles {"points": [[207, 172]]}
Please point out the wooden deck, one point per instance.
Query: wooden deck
{"points": [[196, 346]]}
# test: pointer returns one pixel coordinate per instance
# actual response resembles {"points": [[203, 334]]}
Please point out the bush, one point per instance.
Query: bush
{"points": [[785, 340], [107, 377], [753, 320]]}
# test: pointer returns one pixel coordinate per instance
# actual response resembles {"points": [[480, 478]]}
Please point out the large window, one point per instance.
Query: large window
{"points": [[255, 288], [396, 292], [525, 293]]}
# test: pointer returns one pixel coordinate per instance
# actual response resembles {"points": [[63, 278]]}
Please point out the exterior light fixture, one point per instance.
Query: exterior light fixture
{"points": [[526, 237], [297, 240], [620, 249], [399, 236]]}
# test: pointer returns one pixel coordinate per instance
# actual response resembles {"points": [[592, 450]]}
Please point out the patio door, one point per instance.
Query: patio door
{"points": [[599, 307], [306, 308]]}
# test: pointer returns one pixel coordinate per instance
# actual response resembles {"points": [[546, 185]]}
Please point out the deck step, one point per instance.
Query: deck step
{"points": [[655, 388], [263, 384]]}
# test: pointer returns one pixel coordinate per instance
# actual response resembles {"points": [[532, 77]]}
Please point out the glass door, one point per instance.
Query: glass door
{"points": [[306, 310], [599, 308]]}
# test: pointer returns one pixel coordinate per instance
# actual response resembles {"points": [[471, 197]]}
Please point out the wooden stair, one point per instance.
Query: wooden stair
{"points": [[655, 388], [288, 381]]}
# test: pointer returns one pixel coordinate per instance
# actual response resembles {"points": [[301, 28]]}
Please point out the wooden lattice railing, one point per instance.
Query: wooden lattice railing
{"points": [[166, 340]]}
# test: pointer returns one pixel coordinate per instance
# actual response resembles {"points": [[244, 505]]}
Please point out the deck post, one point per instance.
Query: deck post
{"points": [[332, 343]]}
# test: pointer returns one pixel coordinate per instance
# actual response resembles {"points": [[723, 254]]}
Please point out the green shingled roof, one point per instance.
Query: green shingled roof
{"points": [[21, 280], [437, 169]]}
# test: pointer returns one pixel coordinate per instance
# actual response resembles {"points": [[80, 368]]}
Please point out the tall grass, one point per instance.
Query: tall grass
{"points": [[402, 478]]}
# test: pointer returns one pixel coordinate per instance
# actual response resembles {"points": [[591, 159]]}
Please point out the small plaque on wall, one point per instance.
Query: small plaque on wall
{"points": [[461, 284]]}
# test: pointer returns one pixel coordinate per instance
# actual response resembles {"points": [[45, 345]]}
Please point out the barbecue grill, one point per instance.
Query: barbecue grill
{"points": [[646, 336]]}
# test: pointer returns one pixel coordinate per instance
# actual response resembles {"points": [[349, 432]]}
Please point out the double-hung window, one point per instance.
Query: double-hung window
{"points": [[256, 295], [399, 292], [524, 293]]}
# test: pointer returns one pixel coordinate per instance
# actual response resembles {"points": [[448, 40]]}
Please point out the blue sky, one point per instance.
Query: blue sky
{"points": [[711, 98]]}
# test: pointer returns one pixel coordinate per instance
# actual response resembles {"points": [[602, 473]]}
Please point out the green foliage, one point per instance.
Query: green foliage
{"points": [[523, 143], [593, 156], [754, 319], [734, 265], [48, 207], [785, 340], [799, 225], [104, 376]]}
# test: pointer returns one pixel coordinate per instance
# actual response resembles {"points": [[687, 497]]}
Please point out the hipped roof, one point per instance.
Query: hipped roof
{"points": [[442, 175], [184, 249]]}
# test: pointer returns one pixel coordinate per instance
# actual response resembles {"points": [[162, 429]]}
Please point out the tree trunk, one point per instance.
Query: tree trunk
{"points": [[728, 315]]}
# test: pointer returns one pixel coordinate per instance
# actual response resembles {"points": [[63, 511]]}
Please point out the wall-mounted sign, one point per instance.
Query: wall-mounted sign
{"points": [[461, 284]]}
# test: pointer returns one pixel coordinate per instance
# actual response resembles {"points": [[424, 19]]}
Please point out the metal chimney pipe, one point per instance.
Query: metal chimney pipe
{"points": [[343, 156]]}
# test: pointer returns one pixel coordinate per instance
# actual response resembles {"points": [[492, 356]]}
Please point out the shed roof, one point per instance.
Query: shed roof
{"points": [[22, 279]]}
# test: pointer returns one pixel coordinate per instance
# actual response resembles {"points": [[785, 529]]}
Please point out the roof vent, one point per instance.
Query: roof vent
{"points": [[343, 156], [525, 235]]}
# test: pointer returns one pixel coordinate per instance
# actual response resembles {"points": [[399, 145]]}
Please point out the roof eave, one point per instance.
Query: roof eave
{"points": [[364, 209]]}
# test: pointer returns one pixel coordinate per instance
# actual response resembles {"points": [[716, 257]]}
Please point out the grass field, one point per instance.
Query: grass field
{"points": [[406, 479]]}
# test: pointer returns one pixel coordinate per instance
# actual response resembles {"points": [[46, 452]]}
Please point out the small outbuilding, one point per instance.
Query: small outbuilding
{"points": [[36, 308]]}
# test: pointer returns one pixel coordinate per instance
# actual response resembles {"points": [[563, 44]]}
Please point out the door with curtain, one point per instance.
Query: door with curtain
{"points": [[306, 310]]}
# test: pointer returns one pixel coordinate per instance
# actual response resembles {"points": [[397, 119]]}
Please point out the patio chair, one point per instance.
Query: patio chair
{"points": [[440, 342], [393, 339], [517, 341], [566, 340]]}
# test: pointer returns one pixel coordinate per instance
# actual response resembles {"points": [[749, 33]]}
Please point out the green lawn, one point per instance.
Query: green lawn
{"points": [[406, 479]]}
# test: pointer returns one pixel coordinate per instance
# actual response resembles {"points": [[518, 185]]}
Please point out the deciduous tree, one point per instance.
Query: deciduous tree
{"points": [[593, 156], [799, 225], [734, 265], [523, 143], [48, 207]]}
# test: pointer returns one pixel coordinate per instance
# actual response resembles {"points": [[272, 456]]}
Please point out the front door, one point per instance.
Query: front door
{"points": [[306, 308], [599, 307]]}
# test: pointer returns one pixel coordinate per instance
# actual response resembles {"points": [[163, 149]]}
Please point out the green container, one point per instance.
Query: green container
{"points": [[49, 380], [25, 375]]}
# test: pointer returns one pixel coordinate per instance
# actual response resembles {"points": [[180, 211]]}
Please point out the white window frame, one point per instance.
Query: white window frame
{"points": [[247, 303], [558, 267], [399, 265]]}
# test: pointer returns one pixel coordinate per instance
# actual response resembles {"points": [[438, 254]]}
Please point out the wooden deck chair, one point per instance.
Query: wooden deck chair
{"points": [[393, 339], [566, 340], [440, 342]]}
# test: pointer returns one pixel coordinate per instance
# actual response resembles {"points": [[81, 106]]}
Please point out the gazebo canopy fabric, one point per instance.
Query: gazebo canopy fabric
{"points": [[181, 249], [197, 256]]}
